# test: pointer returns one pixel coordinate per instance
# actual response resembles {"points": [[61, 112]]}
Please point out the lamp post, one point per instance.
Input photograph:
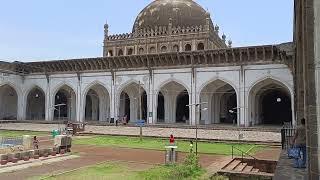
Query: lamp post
{"points": [[58, 105], [196, 124], [140, 109]]}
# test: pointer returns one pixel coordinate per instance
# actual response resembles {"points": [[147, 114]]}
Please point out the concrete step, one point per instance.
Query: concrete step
{"points": [[254, 170], [232, 165], [248, 169], [240, 167]]}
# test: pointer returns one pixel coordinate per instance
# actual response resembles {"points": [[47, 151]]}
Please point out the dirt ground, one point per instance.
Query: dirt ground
{"points": [[138, 159], [271, 154], [92, 155]]}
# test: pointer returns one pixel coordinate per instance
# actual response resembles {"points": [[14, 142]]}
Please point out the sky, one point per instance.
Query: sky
{"points": [[39, 30]]}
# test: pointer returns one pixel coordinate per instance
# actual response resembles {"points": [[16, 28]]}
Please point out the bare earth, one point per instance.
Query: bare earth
{"points": [[138, 158]]}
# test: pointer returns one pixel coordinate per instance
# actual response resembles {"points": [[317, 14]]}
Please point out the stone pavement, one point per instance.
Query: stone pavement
{"points": [[207, 134], [285, 169]]}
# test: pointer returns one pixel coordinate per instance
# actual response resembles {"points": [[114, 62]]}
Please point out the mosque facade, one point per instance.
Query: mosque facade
{"points": [[174, 67]]}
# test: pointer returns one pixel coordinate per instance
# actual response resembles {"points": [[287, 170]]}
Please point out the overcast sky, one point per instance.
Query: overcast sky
{"points": [[34, 30]]}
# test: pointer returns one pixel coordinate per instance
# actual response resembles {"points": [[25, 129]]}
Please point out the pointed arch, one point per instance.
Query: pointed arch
{"points": [[96, 102], [164, 83], [175, 97], [9, 101], [128, 98], [36, 103], [220, 98], [64, 101], [270, 101]]}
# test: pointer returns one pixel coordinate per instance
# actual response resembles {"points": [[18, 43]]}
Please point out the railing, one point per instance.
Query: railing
{"points": [[11, 141], [243, 154], [287, 133]]}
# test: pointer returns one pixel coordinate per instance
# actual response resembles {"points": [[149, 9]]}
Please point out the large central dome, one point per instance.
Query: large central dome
{"points": [[182, 12]]}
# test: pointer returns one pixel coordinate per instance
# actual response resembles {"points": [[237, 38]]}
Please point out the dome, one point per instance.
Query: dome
{"points": [[182, 12]]}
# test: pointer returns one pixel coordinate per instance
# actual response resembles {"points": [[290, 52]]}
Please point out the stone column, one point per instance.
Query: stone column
{"points": [[48, 106], [21, 107], [103, 108], [133, 108], [76, 103], [113, 103], [316, 108], [94, 108], [151, 102], [205, 115], [216, 107], [243, 100], [170, 106], [121, 103]]}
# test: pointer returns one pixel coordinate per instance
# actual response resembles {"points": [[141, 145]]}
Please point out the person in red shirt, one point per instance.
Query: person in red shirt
{"points": [[171, 140]]}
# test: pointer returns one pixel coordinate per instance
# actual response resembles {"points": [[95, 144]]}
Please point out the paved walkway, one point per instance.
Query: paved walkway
{"points": [[285, 169], [229, 135]]}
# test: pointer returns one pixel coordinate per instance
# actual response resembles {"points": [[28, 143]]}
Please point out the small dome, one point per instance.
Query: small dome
{"points": [[182, 13]]}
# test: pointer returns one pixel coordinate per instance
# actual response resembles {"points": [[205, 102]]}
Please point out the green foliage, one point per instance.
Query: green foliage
{"points": [[189, 168], [218, 177]]}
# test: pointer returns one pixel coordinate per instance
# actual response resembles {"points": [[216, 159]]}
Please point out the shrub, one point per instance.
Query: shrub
{"points": [[189, 168]]}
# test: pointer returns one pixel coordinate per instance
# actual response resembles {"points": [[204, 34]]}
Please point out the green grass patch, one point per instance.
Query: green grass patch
{"points": [[12, 133], [158, 144], [190, 169]]}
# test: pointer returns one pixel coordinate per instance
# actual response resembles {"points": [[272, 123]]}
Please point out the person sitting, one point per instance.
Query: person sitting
{"points": [[299, 140], [35, 143]]}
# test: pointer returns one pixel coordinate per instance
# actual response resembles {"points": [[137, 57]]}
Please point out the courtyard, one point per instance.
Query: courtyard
{"points": [[111, 157]]}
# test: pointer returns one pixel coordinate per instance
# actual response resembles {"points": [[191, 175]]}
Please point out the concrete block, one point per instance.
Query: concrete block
{"points": [[4, 162], [17, 155], [27, 142], [15, 160], [10, 157], [4, 157], [26, 158]]}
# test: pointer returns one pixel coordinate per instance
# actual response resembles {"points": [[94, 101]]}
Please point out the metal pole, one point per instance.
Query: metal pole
{"points": [[140, 114], [197, 106], [196, 139]]}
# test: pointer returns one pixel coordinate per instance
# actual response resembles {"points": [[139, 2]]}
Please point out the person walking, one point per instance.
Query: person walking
{"points": [[191, 147], [35, 142], [299, 140]]}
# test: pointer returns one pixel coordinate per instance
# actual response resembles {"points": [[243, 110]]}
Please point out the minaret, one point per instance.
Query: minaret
{"points": [[207, 26], [106, 30], [106, 33], [170, 26]]}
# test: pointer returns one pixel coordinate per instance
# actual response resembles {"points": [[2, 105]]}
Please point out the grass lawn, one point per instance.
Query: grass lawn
{"points": [[158, 144], [112, 171], [9, 133]]}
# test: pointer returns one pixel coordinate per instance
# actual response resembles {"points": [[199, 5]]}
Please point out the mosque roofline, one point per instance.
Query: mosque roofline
{"points": [[217, 57]]}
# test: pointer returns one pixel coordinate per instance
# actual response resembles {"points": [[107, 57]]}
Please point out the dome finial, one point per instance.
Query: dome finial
{"points": [[217, 28], [224, 37], [230, 43]]}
